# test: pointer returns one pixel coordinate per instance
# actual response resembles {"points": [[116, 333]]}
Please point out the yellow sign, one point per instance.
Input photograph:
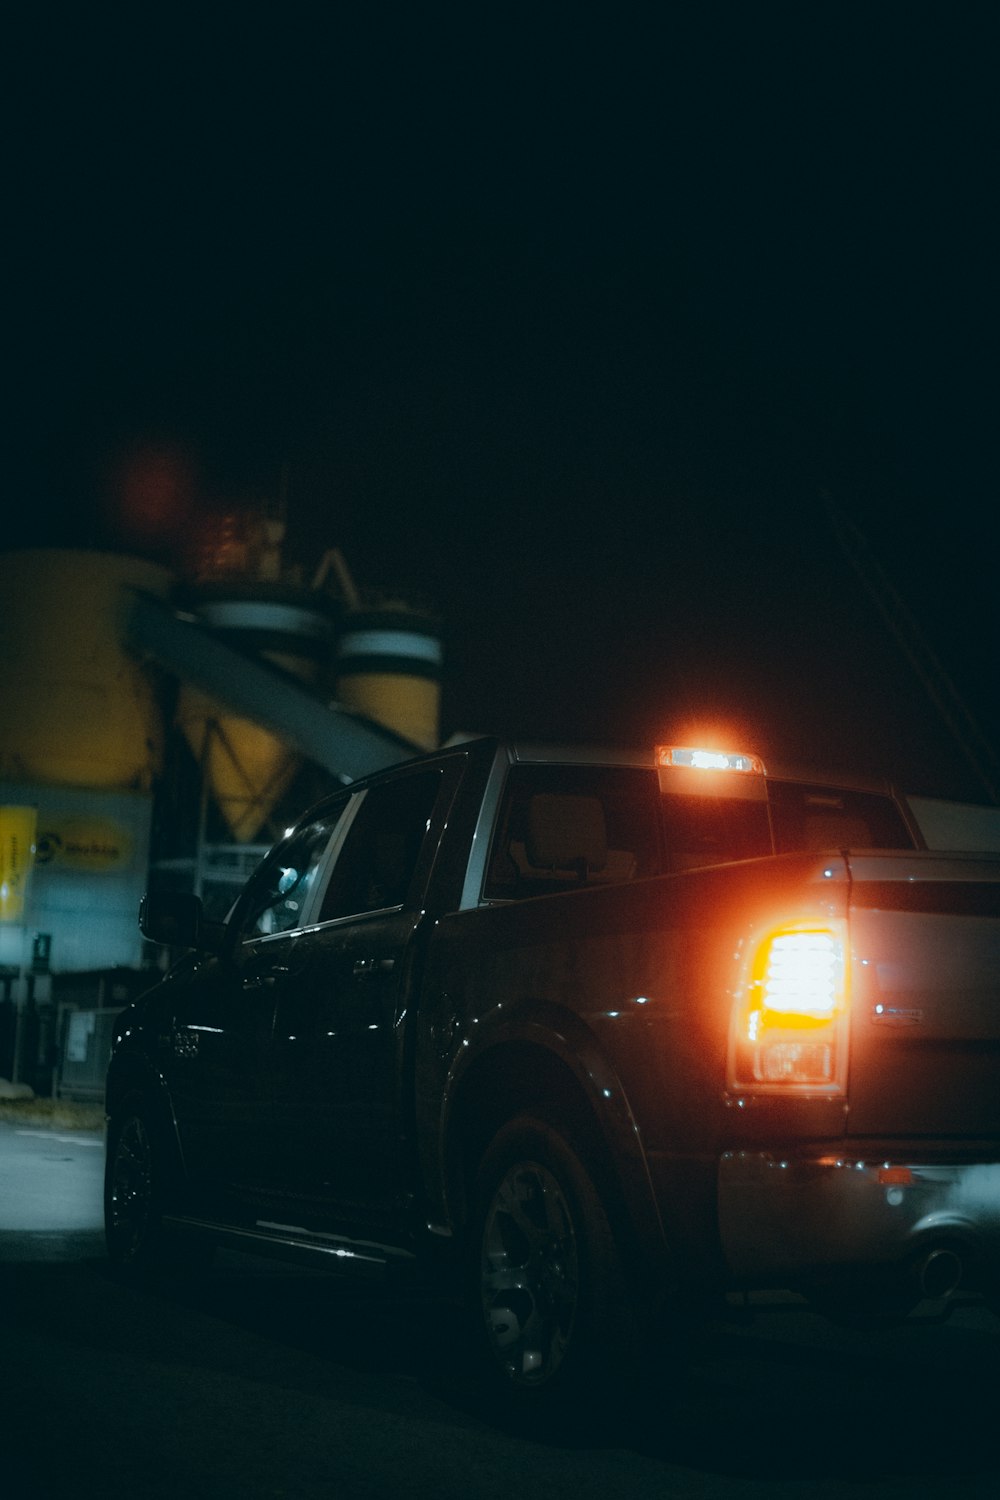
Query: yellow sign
{"points": [[17, 838], [82, 843]]}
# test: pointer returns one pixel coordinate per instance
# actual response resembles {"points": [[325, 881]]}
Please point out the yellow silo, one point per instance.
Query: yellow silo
{"points": [[248, 768], [78, 711], [389, 669]]}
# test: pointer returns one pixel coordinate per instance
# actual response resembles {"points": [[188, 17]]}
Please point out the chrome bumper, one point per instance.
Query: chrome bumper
{"points": [[785, 1216]]}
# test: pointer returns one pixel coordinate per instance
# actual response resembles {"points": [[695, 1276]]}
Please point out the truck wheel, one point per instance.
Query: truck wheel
{"points": [[131, 1193], [136, 1240], [549, 1300]]}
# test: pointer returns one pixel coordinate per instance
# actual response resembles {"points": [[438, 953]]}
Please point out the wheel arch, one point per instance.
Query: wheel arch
{"points": [[527, 1075], [131, 1073]]}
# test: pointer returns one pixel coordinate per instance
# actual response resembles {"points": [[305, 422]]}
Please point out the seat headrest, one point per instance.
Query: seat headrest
{"points": [[566, 833]]}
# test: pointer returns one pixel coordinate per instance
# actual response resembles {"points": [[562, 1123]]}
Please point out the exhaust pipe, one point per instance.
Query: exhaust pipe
{"points": [[886, 1299], [939, 1272]]}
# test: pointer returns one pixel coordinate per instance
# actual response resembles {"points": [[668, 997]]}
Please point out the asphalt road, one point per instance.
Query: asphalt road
{"points": [[263, 1382]]}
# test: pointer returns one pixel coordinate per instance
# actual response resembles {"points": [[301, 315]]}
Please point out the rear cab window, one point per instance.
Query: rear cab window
{"points": [[702, 830], [562, 826], [809, 818]]}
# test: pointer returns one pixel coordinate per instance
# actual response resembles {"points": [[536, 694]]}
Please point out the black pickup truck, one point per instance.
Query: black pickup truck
{"points": [[595, 1036]]}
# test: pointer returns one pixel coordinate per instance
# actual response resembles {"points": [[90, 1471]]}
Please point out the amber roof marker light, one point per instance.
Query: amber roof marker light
{"points": [[694, 758], [701, 771]]}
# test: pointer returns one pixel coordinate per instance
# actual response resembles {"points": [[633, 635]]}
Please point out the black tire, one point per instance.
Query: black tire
{"points": [[549, 1301], [135, 1180]]}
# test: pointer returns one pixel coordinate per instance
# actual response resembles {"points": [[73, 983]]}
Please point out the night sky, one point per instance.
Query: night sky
{"points": [[595, 327]]}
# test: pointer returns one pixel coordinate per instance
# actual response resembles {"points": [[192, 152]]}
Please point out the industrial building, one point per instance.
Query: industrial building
{"points": [[165, 729]]}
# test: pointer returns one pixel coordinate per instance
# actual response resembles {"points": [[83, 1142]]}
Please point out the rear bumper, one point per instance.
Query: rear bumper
{"points": [[788, 1218]]}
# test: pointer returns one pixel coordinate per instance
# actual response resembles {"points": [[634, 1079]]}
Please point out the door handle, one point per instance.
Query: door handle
{"points": [[367, 968], [265, 981]]}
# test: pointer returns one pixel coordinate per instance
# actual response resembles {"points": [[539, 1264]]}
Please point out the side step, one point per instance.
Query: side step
{"points": [[364, 1258]]}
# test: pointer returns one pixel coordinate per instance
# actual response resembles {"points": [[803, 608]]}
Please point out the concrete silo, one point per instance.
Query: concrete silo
{"points": [[81, 741], [246, 768], [389, 669], [80, 745]]}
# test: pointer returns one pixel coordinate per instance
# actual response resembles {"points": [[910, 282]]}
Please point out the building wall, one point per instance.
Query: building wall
{"points": [[87, 879]]}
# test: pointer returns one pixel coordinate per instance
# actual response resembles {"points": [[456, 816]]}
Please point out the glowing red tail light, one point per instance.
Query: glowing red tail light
{"points": [[790, 1026]]}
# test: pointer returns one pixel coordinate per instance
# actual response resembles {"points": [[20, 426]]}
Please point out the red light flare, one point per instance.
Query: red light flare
{"points": [[152, 493]]}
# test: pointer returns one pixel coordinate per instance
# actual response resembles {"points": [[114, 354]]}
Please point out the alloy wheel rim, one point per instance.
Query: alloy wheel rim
{"points": [[131, 1186], [529, 1274]]}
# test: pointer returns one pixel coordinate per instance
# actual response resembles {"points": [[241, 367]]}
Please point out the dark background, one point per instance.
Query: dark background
{"points": [[599, 328]]}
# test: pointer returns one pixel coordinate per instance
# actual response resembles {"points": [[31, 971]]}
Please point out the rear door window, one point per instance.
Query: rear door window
{"points": [[561, 827]]}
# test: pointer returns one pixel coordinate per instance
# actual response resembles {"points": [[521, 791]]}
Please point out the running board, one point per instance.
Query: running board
{"points": [[291, 1242]]}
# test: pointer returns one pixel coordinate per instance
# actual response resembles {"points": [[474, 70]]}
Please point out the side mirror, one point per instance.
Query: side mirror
{"points": [[177, 918]]}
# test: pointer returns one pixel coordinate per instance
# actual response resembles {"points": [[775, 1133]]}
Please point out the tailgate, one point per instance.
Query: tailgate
{"points": [[925, 1006]]}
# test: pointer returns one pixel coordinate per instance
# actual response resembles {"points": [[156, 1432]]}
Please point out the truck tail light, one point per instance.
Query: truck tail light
{"points": [[790, 1025]]}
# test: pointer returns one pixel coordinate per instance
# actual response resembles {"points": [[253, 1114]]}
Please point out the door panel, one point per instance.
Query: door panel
{"points": [[218, 1054], [217, 1064], [337, 1067]]}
